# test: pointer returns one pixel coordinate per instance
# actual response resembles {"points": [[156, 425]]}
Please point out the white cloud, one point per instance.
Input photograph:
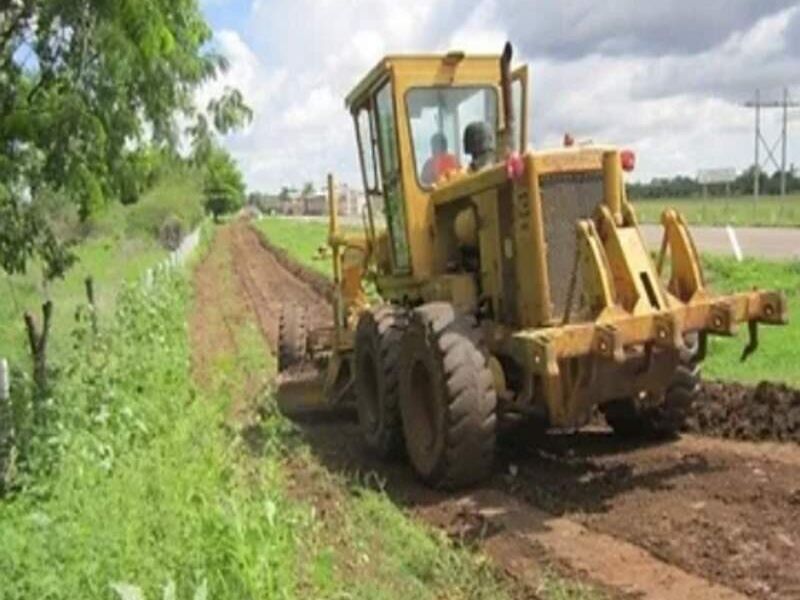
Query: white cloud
{"points": [[677, 106]]}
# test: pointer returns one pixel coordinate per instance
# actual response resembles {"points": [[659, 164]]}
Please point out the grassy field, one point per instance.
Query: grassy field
{"points": [[778, 356], [120, 248], [302, 239], [769, 211]]}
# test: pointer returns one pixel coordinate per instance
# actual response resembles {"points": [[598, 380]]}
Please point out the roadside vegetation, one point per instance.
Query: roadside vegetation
{"points": [[768, 211], [779, 350]]}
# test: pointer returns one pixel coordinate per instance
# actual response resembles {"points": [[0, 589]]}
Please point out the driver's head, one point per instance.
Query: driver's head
{"points": [[438, 143]]}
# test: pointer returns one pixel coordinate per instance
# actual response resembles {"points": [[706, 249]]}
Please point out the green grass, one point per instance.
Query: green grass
{"points": [[778, 356], [109, 261], [769, 211], [302, 239], [121, 245]]}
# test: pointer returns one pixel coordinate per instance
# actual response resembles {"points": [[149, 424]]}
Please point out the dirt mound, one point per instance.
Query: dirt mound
{"points": [[768, 411], [317, 281]]}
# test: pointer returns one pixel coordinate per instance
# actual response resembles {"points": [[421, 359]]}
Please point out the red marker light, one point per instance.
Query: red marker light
{"points": [[515, 167], [628, 159]]}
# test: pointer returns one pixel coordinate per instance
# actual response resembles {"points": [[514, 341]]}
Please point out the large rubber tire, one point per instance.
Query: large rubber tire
{"points": [[376, 364], [447, 398], [628, 419], [292, 337]]}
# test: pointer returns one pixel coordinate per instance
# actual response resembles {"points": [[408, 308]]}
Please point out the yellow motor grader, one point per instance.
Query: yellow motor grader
{"points": [[506, 285]]}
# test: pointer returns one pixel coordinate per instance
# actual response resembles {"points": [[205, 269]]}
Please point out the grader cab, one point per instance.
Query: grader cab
{"points": [[510, 286]]}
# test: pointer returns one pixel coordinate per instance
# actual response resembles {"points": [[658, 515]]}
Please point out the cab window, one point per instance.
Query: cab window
{"points": [[367, 145], [438, 117], [390, 172]]}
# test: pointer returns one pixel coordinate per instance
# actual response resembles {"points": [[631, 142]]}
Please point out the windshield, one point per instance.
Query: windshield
{"points": [[438, 118]]}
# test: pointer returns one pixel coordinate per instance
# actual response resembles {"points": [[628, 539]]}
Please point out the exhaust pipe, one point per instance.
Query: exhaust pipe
{"points": [[508, 110]]}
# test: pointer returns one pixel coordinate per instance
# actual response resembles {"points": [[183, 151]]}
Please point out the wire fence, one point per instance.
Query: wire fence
{"points": [[177, 258]]}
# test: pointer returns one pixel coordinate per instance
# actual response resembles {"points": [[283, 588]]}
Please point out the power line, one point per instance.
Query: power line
{"points": [[760, 142]]}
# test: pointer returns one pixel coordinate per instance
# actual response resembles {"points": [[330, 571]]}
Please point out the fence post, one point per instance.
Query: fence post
{"points": [[5, 381], [89, 284]]}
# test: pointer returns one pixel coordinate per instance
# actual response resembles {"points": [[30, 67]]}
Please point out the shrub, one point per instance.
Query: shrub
{"points": [[178, 194], [171, 233]]}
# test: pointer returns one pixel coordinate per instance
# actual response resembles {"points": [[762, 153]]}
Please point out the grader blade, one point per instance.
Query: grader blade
{"points": [[300, 394], [309, 393]]}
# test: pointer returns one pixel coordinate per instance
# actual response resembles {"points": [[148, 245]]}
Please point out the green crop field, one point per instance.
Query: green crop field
{"points": [[778, 356], [768, 211]]}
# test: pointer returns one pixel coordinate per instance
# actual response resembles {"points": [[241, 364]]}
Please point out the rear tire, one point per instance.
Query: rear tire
{"points": [[376, 363], [292, 337], [629, 419], [447, 398]]}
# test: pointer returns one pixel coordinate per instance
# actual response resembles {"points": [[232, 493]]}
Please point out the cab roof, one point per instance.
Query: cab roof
{"points": [[381, 71]]}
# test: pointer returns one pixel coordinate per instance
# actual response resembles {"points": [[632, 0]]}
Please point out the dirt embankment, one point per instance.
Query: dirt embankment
{"points": [[268, 284], [768, 411], [696, 517]]}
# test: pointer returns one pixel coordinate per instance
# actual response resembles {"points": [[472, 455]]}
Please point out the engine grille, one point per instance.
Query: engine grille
{"points": [[566, 198]]}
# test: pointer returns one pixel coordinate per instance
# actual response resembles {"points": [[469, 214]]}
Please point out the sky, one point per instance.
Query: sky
{"points": [[664, 78]]}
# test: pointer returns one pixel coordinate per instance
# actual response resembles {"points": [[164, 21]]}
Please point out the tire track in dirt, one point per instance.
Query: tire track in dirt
{"points": [[694, 518], [268, 285]]}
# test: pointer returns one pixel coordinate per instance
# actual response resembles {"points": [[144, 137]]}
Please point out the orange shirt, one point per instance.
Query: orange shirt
{"points": [[438, 165]]}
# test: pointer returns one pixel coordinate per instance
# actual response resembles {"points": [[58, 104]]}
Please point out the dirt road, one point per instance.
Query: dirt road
{"points": [[696, 518]]}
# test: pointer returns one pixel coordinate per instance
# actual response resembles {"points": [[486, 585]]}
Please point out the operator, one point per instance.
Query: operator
{"points": [[440, 162]]}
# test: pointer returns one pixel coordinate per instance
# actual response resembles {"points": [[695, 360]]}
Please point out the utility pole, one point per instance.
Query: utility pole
{"points": [[784, 128], [785, 104], [757, 172]]}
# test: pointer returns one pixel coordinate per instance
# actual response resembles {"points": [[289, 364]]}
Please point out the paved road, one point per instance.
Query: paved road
{"points": [[756, 242]]}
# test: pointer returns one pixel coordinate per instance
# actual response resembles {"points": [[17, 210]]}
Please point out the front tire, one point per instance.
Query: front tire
{"points": [[376, 363], [447, 398]]}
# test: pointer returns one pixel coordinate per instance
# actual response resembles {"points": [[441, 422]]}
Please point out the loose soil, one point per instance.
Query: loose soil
{"points": [[697, 517], [768, 411]]}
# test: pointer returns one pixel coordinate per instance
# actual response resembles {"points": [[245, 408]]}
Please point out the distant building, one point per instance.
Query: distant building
{"points": [[351, 202], [316, 204]]}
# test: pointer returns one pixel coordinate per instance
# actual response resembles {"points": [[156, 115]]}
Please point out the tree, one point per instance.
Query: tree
{"points": [[84, 84], [308, 189], [223, 186]]}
